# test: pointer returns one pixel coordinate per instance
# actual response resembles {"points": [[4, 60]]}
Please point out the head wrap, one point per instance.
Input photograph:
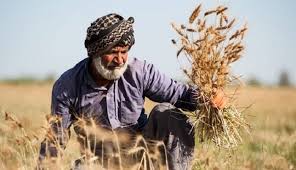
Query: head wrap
{"points": [[107, 32]]}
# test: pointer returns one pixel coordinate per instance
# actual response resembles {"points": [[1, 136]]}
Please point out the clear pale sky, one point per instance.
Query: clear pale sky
{"points": [[44, 37]]}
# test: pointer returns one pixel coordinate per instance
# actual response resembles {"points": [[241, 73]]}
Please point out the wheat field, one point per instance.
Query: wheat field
{"points": [[270, 110]]}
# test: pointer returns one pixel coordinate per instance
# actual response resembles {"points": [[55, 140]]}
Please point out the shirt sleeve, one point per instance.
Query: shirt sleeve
{"points": [[160, 88], [60, 123]]}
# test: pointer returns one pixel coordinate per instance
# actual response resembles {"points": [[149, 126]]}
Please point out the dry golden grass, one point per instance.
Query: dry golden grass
{"points": [[272, 142], [271, 145], [22, 146]]}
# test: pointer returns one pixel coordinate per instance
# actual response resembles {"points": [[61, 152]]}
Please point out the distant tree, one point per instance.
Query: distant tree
{"points": [[253, 81], [284, 79], [50, 77]]}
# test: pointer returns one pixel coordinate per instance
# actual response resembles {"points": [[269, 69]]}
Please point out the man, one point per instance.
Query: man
{"points": [[109, 87]]}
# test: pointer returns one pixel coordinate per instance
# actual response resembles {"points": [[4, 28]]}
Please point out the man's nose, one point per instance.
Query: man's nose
{"points": [[119, 59]]}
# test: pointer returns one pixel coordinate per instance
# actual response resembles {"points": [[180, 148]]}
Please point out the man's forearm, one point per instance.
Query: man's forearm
{"points": [[190, 100]]}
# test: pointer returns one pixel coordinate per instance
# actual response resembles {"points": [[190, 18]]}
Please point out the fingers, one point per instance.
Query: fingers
{"points": [[222, 103], [220, 100]]}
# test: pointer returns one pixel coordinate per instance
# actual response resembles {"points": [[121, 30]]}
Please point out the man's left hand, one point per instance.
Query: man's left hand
{"points": [[219, 101]]}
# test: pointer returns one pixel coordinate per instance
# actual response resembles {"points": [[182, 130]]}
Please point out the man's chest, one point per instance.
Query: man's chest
{"points": [[122, 103]]}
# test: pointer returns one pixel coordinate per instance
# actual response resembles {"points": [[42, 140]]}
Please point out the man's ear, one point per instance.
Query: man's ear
{"points": [[129, 47], [98, 54], [91, 57]]}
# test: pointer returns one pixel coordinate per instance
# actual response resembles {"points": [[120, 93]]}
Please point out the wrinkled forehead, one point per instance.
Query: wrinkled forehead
{"points": [[120, 48]]}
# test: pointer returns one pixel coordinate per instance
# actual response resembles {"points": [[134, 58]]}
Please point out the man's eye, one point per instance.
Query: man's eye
{"points": [[110, 53]]}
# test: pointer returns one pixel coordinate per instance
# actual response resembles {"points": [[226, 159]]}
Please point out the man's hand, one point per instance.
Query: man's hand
{"points": [[219, 101]]}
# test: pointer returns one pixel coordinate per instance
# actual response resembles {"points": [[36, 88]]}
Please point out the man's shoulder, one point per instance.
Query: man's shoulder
{"points": [[72, 76], [137, 64], [135, 61]]}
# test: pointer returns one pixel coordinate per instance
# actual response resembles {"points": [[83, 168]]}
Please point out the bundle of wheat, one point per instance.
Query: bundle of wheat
{"points": [[210, 44]]}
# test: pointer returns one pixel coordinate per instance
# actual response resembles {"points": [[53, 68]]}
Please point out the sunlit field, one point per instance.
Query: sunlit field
{"points": [[270, 145]]}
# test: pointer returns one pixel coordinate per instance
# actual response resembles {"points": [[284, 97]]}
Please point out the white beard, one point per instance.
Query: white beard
{"points": [[106, 73]]}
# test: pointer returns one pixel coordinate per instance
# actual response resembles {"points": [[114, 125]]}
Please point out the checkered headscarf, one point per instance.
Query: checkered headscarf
{"points": [[108, 31]]}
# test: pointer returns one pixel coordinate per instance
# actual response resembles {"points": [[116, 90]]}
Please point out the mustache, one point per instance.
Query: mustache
{"points": [[113, 64]]}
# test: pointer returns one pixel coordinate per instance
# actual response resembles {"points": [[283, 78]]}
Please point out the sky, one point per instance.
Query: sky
{"points": [[39, 38]]}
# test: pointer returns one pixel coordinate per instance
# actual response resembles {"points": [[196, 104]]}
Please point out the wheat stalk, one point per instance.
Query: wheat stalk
{"points": [[210, 46], [126, 147]]}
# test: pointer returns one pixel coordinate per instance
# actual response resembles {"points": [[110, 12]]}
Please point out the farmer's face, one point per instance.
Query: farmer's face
{"points": [[115, 58], [113, 63]]}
